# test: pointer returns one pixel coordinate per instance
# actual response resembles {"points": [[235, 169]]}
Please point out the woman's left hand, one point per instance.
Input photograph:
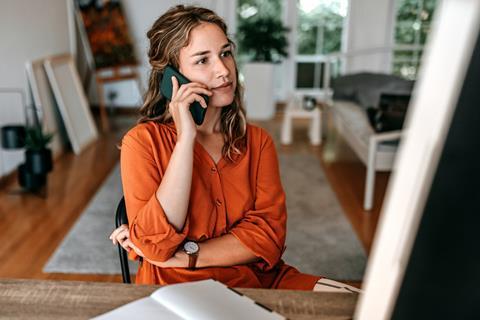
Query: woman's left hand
{"points": [[178, 260]]}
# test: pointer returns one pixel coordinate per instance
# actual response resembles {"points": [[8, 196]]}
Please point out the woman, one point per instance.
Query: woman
{"points": [[202, 201]]}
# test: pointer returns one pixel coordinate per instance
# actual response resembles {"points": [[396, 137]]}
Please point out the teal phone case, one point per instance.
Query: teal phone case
{"points": [[196, 109]]}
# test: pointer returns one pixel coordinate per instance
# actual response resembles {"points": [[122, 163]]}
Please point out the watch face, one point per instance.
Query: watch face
{"points": [[191, 247]]}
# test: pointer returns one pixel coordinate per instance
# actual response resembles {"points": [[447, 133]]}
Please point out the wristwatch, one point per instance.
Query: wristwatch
{"points": [[192, 249]]}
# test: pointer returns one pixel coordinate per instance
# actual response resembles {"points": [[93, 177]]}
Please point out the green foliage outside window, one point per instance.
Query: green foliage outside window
{"points": [[320, 29], [413, 25], [262, 8]]}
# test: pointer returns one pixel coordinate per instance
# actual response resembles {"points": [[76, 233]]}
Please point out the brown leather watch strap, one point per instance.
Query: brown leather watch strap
{"points": [[192, 260]]}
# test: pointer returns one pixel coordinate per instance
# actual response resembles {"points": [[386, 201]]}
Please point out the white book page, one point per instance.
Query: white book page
{"points": [[146, 308], [210, 299]]}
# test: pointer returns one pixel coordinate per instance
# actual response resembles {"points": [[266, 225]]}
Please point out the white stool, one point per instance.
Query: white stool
{"points": [[293, 111]]}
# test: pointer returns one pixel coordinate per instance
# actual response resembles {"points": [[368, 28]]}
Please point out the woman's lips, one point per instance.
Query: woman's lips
{"points": [[224, 87]]}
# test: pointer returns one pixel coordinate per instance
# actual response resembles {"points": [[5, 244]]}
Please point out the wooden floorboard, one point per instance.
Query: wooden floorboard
{"points": [[31, 228]]}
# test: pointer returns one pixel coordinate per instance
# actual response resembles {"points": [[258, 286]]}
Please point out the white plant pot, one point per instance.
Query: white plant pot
{"points": [[259, 94]]}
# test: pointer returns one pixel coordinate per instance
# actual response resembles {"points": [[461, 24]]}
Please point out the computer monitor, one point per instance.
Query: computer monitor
{"points": [[425, 260]]}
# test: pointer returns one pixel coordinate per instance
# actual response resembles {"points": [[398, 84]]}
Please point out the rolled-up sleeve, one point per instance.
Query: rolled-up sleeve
{"points": [[263, 229], [149, 227]]}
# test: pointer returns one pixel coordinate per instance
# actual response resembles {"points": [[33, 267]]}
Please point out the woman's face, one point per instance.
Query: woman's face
{"points": [[208, 59]]}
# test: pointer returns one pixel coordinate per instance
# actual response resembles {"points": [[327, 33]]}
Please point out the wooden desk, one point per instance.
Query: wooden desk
{"points": [[44, 299]]}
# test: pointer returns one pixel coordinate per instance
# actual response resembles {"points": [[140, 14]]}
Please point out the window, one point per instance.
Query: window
{"points": [[413, 24], [319, 30], [318, 35]]}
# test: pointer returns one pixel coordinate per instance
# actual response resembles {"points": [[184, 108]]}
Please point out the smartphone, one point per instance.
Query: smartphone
{"points": [[196, 109]]}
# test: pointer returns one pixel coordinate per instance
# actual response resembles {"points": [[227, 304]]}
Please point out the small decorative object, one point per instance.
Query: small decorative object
{"points": [[30, 181], [32, 175], [309, 103], [38, 157], [13, 136]]}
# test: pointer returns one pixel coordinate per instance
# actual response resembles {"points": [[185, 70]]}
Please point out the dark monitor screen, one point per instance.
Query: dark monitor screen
{"points": [[442, 278], [425, 258]]}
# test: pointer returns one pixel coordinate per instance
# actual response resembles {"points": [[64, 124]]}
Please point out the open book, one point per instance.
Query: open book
{"points": [[207, 299]]}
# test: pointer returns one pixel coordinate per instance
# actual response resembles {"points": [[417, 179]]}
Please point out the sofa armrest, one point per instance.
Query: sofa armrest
{"points": [[386, 136]]}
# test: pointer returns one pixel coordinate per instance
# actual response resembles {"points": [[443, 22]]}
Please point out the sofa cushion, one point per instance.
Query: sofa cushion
{"points": [[355, 120], [365, 88]]}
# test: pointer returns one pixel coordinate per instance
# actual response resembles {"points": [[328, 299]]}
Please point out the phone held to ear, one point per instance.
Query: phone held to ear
{"points": [[196, 109]]}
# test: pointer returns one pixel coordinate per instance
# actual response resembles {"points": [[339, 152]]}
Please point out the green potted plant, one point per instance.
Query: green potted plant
{"points": [[38, 158], [264, 40]]}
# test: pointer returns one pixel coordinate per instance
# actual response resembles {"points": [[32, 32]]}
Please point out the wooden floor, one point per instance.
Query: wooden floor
{"points": [[31, 227]]}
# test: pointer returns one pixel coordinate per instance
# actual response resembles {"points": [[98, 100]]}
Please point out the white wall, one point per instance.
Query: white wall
{"points": [[369, 36], [28, 30], [140, 16], [285, 71]]}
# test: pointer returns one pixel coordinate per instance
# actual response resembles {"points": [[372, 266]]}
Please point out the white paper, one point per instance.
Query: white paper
{"points": [[145, 309], [210, 299], [201, 300]]}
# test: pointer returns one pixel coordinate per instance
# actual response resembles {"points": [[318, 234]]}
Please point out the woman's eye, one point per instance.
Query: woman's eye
{"points": [[202, 61], [226, 53]]}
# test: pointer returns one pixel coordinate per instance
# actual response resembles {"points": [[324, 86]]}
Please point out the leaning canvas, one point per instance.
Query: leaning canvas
{"points": [[45, 104], [72, 101]]}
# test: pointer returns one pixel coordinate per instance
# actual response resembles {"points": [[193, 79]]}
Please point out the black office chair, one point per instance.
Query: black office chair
{"points": [[121, 218]]}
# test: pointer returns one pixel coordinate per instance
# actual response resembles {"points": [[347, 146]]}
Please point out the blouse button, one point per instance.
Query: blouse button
{"points": [[218, 202], [214, 170]]}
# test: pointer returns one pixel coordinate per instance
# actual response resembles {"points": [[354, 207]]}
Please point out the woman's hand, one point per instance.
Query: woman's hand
{"points": [[121, 235], [179, 107], [178, 260]]}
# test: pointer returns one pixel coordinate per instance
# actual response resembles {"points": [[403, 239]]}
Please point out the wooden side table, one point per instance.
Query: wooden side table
{"points": [[294, 111]]}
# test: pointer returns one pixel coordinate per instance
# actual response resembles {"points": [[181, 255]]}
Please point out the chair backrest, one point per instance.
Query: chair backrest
{"points": [[121, 218]]}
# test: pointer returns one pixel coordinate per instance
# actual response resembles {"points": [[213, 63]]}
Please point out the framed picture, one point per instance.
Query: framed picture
{"points": [[45, 105], [105, 27], [72, 101]]}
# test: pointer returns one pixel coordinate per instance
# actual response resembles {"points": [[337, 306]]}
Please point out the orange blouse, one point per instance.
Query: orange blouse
{"points": [[245, 199]]}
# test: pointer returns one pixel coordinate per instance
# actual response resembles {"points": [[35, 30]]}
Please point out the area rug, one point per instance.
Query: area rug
{"points": [[319, 238]]}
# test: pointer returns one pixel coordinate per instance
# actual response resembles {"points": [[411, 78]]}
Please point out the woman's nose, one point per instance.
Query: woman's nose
{"points": [[221, 70]]}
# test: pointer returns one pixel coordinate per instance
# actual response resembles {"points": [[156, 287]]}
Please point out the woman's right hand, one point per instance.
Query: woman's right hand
{"points": [[121, 235], [179, 107]]}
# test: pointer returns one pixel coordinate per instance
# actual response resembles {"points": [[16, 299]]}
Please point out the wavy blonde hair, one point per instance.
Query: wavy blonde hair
{"points": [[168, 35]]}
